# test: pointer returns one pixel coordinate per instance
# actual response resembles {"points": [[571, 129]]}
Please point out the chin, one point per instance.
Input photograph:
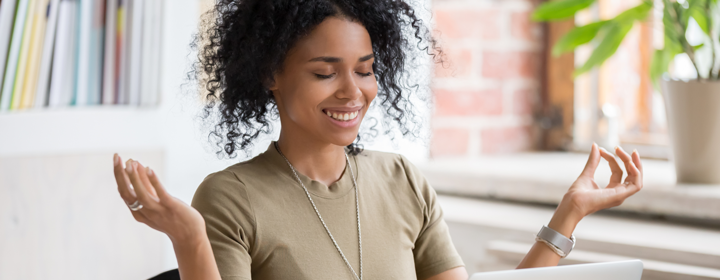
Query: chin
{"points": [[344, 140]]}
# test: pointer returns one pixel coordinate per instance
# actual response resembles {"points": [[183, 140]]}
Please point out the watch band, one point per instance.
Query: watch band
{"points": [[556, 241]]}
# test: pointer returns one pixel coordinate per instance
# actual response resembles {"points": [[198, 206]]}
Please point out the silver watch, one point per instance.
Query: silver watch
{"points": [[556, 241]]}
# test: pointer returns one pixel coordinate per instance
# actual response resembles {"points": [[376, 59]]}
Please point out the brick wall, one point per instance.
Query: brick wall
{"points": [[487, 91]]}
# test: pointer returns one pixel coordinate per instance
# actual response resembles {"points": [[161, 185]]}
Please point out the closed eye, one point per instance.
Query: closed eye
{"points": [[320, 76], [365, 74]]}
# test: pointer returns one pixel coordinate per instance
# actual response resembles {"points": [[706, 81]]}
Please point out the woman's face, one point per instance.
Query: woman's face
{"points": [[327, 83]]}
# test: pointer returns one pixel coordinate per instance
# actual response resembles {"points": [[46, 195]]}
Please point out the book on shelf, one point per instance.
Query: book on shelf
{"points": [[39, 24], [121, 52], [61, 77], [56, 53], [134, 46], [11, 65], [24, 60], [7, 16], [109, 85], [43, 85]]}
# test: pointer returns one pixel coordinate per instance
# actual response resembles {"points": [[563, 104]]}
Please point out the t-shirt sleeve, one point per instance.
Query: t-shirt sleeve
{"points": [[223, 202], [434, 250]]}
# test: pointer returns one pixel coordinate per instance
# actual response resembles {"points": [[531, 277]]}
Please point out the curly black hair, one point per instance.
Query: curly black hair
{"points": [[243, 43]]}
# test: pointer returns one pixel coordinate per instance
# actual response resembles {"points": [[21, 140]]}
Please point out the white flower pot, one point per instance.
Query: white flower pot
{"points": [[693, 113]]}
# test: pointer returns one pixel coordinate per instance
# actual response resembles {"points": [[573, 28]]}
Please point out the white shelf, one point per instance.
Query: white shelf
{"points": [[79, 129]]}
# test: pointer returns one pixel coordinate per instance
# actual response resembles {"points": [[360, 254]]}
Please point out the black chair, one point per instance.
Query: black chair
{"points": [[167, 275]]}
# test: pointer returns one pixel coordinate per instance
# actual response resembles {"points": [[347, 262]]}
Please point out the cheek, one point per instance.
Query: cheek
{"points": [[303, 100], [369, 90]]}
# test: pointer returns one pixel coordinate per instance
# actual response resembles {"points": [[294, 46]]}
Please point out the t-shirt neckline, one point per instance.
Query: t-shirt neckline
{"points": [[335, 190]]}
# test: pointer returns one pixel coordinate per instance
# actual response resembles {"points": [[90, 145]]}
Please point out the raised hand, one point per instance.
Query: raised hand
{"points": [[160, 210], [585, 197]]}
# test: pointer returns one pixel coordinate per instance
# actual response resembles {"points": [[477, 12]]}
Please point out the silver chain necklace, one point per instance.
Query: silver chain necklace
{"points": [[357, 211]]}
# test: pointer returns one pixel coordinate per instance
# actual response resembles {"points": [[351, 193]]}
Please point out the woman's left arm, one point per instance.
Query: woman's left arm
{"points": [[585, 197]]}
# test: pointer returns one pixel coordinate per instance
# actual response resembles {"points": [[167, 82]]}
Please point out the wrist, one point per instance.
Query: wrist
{"points": [[564, 220], [190, 241]]}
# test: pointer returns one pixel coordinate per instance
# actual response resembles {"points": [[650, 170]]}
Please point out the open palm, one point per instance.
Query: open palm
{"points": [[160, 210]]}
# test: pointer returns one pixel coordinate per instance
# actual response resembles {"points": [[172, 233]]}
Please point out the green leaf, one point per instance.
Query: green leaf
{"points": [[692, 3], [578, 36], [673, 45], [607, 47], [639, 12], [670, 24], [658, 66], [559, 9], [661, 62], [681, 14], [698, 46], [661, 59], [701, 17]]}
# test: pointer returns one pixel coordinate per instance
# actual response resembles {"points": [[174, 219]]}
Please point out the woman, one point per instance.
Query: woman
{"points": [[314, 205]]}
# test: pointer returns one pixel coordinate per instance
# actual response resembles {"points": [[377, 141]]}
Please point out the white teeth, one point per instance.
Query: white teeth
{"points": [[341, 116]]}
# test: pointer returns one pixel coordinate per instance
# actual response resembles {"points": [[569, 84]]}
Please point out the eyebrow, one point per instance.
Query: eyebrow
{"points": [[332, 59]]}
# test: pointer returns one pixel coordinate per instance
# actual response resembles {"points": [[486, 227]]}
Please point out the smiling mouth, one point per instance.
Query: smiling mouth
{"points": [[342, 116]]}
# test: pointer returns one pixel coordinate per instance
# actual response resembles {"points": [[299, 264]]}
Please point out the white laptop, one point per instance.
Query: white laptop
{"points": [[622, 270]]}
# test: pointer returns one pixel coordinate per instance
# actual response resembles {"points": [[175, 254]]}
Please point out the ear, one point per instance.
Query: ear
{"points": [[270, 84]]}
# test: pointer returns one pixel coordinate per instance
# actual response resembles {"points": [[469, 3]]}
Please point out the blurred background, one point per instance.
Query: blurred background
{"points": [[506, 131]]}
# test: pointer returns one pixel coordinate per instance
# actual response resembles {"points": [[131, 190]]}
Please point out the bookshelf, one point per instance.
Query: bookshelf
{"points": [[57, 179], [170, 125], [64, 53]]}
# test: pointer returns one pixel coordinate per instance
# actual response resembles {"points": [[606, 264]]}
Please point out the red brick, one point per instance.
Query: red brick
{"points": [[474, 23], [522, 27], [449, 142], [504, 65], [524, 101], [505, 140], [468, 102], [458, 63]]}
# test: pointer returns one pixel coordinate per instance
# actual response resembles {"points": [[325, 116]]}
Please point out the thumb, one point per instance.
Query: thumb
{"points": [[592, 163]]}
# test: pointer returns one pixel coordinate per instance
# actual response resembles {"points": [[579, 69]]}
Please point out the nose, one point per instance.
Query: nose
{"points": [[348, 88]]}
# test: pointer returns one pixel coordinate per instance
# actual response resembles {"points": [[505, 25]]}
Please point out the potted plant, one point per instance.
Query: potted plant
{"points": [[692, 106]]}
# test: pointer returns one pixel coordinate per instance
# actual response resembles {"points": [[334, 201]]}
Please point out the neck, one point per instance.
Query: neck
{"points": [[322, 162]]}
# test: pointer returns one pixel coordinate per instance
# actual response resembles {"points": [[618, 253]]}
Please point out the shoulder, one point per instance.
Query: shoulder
{"points": [[219, 181], [398, 170], [225, 190], [217, 189], [382, 160], [396, 164], [232, 187], [223, 201], [231, 179]]}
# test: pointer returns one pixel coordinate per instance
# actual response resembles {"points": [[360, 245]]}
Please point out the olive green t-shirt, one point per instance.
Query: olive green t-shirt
{"points": [[261, 224]]}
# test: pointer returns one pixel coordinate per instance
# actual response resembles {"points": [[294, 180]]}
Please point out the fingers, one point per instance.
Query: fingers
{"points": [[592, 163], [632, 171], [622, 192], [636, 160], [161, 192], [617, 172], [140, 189], [123, 183], [142, 174]]}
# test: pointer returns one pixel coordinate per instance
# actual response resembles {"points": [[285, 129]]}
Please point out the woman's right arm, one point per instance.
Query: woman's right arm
{"points": [[183, 224]]}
